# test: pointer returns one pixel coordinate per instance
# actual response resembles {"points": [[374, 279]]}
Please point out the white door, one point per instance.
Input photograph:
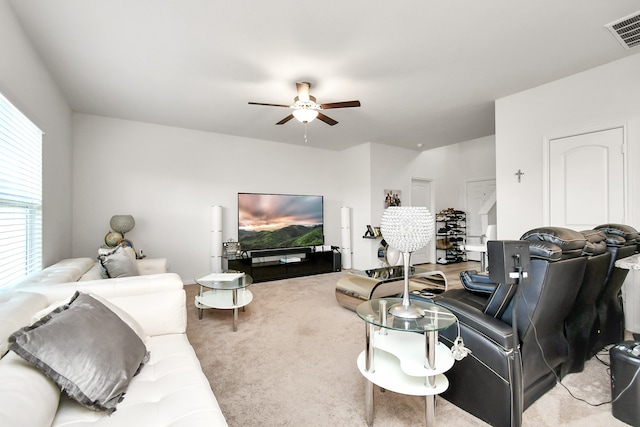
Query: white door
{"points": [[586, 179], [421, 195], [477, 193]]}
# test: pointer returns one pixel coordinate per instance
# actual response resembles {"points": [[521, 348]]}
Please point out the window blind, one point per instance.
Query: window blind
{"points": [[20, 195]]}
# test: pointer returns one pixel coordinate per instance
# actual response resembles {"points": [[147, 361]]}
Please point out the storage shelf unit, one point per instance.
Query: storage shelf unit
{"points": [[451, 231]]}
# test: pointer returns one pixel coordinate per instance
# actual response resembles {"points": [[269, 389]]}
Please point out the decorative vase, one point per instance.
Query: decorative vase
{"points": [[112, 238], [122, 223]]}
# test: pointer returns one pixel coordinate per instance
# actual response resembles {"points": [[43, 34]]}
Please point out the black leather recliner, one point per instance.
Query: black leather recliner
{"points": [[583, 315], [496, 382], [622, 241]]}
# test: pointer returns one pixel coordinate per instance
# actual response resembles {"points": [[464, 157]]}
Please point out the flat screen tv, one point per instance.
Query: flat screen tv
{"points": [[271, 221]]}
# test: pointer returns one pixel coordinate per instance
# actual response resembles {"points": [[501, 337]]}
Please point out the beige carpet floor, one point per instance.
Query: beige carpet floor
{"points": [[292, 362]]}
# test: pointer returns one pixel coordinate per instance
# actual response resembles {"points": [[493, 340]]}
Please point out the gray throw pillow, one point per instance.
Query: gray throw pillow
{"points": [[118, 263], [86, 349]]}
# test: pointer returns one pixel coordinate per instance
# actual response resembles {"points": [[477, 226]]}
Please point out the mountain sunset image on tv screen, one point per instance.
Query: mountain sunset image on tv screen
{"points": [[271, 221]]}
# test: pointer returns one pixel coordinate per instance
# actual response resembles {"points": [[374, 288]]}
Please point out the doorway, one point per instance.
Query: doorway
{"points": [[586, 184], [478, 195], [422, 194]]}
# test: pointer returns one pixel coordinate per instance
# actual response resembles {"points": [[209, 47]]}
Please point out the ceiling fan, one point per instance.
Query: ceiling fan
{"points": [[305, 108]]}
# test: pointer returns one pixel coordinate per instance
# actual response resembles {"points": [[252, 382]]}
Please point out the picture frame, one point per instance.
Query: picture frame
{"points": [[392, 198], [231, 249], [370, 232]]}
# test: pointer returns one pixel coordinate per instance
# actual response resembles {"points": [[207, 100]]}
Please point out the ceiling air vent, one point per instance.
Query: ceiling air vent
{"points": [[626, 30]]}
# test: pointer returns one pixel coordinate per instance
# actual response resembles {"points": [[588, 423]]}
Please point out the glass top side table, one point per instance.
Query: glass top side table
{"points": [[227, 290], [435, 318], [399, 358]]}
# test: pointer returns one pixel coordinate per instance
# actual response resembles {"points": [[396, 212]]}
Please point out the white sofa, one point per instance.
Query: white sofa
{"points": [[80, 269], [169, 390]]}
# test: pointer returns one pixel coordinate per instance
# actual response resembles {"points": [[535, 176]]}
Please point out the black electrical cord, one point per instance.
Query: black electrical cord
{"points": [[535, 334]]}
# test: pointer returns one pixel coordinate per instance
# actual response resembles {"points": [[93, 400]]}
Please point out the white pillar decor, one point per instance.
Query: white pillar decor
{"points": [[216, 238], [345, 220]]}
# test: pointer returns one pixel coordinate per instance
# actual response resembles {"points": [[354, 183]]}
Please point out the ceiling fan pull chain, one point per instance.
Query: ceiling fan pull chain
{"points": [[305, 132]]}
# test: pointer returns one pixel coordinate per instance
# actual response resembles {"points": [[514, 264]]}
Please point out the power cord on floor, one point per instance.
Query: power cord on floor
{"points": [[558, 381], [602, 353]]}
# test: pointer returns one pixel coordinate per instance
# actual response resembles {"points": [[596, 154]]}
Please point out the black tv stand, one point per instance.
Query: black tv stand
{"points": [[275, 264]]}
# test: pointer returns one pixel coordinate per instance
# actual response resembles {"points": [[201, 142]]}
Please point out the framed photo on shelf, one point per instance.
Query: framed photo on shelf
{"points": [[231, 249], [370, 232]]}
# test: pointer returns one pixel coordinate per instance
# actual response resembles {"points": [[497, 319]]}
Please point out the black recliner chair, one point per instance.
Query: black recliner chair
{"points": [[622, 241], [502, 377], [584, 314]]}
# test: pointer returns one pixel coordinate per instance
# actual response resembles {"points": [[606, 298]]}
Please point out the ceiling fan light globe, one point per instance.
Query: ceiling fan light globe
{"points": [[305, 115]]}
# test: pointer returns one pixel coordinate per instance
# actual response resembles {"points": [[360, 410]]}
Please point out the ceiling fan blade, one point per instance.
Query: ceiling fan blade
{"points": [[327, 120], [344, 104], [285, 120], [303, 91], [270, 105]]}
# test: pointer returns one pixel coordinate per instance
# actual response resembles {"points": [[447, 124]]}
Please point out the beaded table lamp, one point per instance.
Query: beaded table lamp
{"points": [[407, 229]]}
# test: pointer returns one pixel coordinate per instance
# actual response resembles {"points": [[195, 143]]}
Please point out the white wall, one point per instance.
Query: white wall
{"points": [[356, 188], [586, 101], [452, 166], [27, 84], [449, 168], [168, 178], [390, 170]]}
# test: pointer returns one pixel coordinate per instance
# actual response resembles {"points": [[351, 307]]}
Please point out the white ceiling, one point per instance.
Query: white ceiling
{"points": [[426, 71]]}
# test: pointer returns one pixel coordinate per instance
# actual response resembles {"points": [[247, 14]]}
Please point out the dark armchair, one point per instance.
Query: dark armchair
{"points": [[583, 314], [502, 376]]}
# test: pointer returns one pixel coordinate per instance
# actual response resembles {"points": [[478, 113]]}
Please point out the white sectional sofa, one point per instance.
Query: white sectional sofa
{"points": [[81, 269], [169, 390]]}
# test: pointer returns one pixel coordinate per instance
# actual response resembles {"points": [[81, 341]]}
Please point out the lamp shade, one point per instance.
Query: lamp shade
{"points": [[407, 228], [122, 223], [305, 115]]}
